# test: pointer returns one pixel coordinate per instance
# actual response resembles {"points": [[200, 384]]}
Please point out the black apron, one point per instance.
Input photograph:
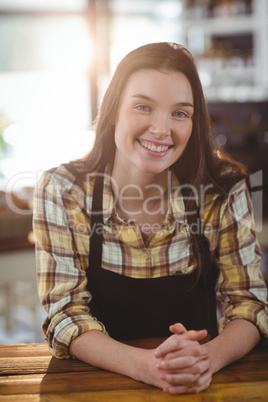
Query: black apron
{"points": [[132, 308]]}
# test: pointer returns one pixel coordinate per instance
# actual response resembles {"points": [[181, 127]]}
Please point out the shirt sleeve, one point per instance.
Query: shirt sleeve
{"points": [[61, 279], [241, 287]]}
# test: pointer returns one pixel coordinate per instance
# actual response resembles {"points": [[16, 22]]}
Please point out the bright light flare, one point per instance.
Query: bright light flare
{"points": [[67, 46]]}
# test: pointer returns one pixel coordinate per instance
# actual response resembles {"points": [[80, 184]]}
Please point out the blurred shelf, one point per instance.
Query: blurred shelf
{"points": [[230, 50], [223, 25]]}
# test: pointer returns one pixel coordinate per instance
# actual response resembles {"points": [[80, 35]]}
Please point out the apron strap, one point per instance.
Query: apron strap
{"points": [[208, 269], [96, 232]]}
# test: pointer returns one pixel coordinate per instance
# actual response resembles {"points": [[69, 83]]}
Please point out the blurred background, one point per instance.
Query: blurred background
{"points": [[56, 59]]}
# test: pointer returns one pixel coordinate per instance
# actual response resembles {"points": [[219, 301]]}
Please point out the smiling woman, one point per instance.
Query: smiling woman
{"points": [[148, 230]]}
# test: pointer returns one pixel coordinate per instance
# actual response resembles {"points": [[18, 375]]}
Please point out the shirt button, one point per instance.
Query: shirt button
{"points": [[184, 227], [208, 229]]}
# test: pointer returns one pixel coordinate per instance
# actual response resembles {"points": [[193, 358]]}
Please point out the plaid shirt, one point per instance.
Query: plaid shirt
{"points": [[62, 209]]}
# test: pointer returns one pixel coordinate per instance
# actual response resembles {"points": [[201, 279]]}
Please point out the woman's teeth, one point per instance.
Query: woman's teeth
{"points": [[152, 147]]}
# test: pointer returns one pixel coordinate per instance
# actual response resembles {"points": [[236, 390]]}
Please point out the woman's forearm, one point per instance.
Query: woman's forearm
{"points": [[98, 349], [235, 341]]}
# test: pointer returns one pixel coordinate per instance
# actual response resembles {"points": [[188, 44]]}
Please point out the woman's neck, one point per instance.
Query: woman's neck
{"points": [[139, 194], [131, 183]]}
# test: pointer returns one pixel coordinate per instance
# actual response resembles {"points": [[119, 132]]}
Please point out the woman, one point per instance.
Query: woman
{"points": [[139, 234]]}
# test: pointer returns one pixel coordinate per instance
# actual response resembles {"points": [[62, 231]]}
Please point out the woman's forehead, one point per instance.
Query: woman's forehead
{"points": [[154, 82]]}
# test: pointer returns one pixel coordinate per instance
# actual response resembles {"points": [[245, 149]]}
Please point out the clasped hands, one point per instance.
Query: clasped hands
{"points": [[183, 363]]}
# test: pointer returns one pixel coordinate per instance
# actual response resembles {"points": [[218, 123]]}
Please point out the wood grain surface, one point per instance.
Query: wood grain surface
{"points": [[30, 373]]}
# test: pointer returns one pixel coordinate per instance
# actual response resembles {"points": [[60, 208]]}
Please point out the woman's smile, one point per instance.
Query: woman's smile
{"points": [[154, 148]]}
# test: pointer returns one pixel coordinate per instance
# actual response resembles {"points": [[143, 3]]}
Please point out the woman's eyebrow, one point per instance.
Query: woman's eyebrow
{"points": [[145, 97], [184, 104]]}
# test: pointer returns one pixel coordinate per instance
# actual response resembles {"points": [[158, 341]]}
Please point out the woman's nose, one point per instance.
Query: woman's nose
{"points": [[160, 126]]}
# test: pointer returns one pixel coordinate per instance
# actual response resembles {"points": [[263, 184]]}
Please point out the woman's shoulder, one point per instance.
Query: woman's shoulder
{"points": [[237, 198], [62, 179], [227, 172], [57, 176]]}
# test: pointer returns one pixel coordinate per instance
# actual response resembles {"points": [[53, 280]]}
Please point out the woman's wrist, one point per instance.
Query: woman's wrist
{"points": [[236, 340], [142, 364]]}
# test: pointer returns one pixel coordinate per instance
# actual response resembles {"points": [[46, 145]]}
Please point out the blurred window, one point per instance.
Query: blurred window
{"points": [[30, 5], [44, 86], [138, 22]]}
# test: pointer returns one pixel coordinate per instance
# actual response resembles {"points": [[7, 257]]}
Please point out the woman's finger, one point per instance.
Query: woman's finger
{"points": [[177, 328], [179, 378], [202, 382], [187, 360], [177, 342], [190, 349], [193, 335], [177, 363], [172, 344], [176, 369]]}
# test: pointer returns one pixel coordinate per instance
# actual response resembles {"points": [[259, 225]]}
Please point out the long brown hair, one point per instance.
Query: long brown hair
{"points": [[202, 162]]}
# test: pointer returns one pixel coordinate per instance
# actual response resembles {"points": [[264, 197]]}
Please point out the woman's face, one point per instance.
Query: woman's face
{"points": [[154, 121]]}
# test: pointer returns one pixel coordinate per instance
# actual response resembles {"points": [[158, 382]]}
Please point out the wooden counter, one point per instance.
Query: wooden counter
{"points": [[29, 373]]}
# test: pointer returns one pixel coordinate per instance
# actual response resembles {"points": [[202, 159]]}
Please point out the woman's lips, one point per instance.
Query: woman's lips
{"points": [[154, 146]]}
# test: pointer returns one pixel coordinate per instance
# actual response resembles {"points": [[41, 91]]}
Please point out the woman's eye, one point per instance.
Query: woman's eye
{"points": [[180, 114], [143, 108]]}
